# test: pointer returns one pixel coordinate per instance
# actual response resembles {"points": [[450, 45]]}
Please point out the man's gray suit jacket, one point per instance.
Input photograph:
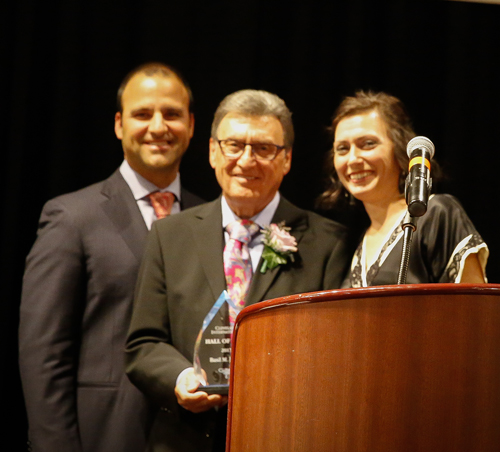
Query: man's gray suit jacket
{"points": [[75, 312], [180, 279]]}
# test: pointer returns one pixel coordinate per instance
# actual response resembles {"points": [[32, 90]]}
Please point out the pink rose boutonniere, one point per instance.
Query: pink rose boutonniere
{"points": [[279, 245]]}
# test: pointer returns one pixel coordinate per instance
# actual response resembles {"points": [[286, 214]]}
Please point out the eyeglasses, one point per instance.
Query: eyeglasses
{"points": [[233, 149]]}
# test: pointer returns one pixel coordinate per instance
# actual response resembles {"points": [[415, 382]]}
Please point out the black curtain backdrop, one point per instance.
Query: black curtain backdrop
{"points": [[63, 61]]}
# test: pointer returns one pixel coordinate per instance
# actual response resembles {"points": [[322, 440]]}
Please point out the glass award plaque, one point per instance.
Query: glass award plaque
{"points": [[212, 350]]}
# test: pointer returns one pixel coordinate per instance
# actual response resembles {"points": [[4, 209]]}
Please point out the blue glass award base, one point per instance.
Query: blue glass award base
{"points": [[212, 351]]}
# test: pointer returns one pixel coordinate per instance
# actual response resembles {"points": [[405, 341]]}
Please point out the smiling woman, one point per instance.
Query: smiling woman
{"points": [[368, 161], [364, 158]]}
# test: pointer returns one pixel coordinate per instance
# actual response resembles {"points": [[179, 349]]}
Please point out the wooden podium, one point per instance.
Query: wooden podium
{"points": [[388, 368]]}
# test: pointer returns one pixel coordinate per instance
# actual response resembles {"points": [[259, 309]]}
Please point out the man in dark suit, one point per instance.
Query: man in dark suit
{"points": [[81, 272], [183, 269]]}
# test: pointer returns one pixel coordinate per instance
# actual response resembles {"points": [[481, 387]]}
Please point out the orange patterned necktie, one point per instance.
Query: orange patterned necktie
{"points": [[162, 202]]}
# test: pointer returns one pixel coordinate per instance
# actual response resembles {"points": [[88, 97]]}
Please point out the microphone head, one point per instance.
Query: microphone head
{"points": [[420, 142]]}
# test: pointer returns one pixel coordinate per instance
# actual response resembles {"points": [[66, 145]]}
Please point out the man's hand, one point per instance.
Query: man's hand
{"points": [[193, 400]]}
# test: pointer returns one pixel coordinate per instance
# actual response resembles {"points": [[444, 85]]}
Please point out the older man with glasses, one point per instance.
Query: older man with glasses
{"points": [[224, 245]]}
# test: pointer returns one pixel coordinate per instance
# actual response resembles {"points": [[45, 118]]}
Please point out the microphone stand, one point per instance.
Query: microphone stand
{"points": [[409, 227], [418, 186]]}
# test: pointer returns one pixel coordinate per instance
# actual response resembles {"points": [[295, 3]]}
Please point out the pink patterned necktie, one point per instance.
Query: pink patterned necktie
{"points": [[162, 202], [237, 263]]}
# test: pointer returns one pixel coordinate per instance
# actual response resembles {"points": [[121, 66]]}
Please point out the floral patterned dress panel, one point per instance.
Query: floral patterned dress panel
{"points": [[444, 239], [359, 276]]}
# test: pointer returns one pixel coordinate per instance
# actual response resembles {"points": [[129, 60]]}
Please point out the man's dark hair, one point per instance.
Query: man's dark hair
{"points": [[150, 69]]}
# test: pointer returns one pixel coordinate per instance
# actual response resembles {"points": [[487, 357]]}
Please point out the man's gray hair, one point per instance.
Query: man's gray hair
{"points": [[253, 102]]}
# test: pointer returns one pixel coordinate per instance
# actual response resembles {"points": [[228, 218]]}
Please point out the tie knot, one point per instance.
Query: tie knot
{"points": [[242, 230], [162, 203]]}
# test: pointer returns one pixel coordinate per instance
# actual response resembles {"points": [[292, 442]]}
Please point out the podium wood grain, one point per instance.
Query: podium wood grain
{"points": [[396, 368]]}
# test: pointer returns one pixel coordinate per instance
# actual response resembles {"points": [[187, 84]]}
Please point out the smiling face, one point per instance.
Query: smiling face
{"points": [[364, 158], [155, 126], [249, 184]]}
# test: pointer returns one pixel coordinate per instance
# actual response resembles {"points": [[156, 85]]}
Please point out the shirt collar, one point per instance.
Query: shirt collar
{"points": [[141, 187], [263, 218]]}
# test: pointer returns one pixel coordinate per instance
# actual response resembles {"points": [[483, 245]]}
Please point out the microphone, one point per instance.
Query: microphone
{"points": [[418, 186]]}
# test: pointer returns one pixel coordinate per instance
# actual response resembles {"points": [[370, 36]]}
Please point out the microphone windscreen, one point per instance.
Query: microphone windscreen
{"points": [[420, 142]]}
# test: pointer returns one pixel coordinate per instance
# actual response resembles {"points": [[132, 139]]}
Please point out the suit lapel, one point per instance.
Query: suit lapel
{"points": [[296, 219], [261, 282], [209, 240], [120, 206]]}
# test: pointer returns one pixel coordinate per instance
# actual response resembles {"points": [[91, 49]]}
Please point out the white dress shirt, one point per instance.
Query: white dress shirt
{"points": [[141, 188], [263, 218]]}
